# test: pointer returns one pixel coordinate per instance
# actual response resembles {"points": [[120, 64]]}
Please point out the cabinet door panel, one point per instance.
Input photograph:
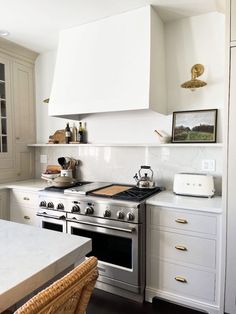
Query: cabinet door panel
{"points": [[23, 103], [25, 163], [183, 248], [25, 198], [183, 281], [183, 220], [6, 146], [23, 215]]}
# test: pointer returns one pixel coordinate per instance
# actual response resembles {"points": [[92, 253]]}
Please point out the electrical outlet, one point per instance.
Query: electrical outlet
{"points": [[208, 165], [43, 159]]}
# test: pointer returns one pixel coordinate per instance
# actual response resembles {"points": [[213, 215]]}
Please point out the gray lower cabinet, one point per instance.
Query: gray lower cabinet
{"points": [[23, 205], [183, 257]]}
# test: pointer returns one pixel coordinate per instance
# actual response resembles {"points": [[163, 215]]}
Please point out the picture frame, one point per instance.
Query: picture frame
{"points": [[194, 126]]}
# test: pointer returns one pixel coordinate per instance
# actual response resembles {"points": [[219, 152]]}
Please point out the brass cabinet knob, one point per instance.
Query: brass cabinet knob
{"points": [[181, 221], [181, 279], [26, 199], [27, 217]]}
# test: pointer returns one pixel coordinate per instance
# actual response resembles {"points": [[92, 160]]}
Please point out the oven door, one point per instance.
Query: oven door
{"points": [[52, 220], [117, 246]]}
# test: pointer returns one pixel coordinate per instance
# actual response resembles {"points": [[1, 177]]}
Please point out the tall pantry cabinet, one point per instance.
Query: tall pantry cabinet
{"points": [[230, 292], [17, 111]]}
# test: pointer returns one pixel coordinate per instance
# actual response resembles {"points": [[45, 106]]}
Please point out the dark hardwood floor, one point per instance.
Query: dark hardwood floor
{"points": [[103, 302]]}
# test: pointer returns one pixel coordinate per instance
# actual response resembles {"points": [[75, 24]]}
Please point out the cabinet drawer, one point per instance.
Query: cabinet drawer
{"points": [[24, 215], [184, 281], [24, 197], [183, 248], [183, 220]]}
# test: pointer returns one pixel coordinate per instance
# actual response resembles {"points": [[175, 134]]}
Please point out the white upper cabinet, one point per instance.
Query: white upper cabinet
{"points": [[114, 64]]}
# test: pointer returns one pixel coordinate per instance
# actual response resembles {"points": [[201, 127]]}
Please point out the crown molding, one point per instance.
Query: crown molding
{"points": [[15, 50]]}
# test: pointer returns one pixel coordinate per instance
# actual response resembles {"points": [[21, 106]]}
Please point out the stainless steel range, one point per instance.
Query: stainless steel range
{"points": [[113, 216]]}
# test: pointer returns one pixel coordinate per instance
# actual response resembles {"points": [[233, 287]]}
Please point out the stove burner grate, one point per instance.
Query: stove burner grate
{"points": [[136, 194]]}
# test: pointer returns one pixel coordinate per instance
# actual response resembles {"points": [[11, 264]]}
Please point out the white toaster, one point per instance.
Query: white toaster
{"points": [[194, 184]]}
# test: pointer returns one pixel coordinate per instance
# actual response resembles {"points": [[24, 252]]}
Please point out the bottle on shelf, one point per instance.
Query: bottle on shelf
{"points": [[74, 133], [85, 133], [81, 133], [67, 134]]}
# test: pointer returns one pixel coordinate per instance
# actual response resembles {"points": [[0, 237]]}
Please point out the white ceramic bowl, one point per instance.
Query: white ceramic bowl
{"points": [[50, 175]]}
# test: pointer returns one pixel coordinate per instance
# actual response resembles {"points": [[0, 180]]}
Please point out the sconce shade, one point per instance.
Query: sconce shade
{"points": [[196, 71]]}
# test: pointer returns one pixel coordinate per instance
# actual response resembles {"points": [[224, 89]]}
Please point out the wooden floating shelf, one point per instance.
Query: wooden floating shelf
{"points": [[129, 145]]}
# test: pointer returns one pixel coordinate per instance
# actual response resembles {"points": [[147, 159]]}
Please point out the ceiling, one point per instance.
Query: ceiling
{"points": [[36, 24]]}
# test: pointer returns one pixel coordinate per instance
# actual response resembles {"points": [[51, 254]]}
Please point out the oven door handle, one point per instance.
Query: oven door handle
{"points": [[44, 214], [131, 230]]}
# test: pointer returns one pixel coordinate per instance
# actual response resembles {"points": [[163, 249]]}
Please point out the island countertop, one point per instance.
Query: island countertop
{"points": [[31, 256]]}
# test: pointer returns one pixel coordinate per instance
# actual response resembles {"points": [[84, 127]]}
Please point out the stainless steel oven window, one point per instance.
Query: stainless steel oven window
{"points": [[108, 248]]}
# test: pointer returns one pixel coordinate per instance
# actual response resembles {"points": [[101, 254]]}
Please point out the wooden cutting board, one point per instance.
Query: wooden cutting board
{"points": [[112, 190]]}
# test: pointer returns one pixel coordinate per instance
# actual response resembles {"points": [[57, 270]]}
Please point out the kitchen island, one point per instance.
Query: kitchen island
{"points": [[31, 256]]}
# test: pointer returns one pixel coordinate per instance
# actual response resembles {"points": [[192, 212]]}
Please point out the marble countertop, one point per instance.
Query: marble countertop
{"points": [[165, 198], [32, 185], [169, 199], [31, 256]]}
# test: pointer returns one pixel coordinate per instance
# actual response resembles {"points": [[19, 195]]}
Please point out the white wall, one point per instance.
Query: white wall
{"points": [[198, 39], [119, 164], [44, 70]]}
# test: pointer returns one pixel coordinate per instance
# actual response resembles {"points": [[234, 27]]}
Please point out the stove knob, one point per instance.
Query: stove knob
{"points": [[89, 210], [120, 215], [75, 209], [130, 216], [107, 213], [60, 206], [50, 205], [43, 204]]}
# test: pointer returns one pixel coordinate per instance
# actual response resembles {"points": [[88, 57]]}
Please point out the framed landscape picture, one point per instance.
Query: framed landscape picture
{"points": [[195, 126]]}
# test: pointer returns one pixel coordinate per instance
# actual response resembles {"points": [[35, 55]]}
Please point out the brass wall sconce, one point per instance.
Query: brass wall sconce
{"points": [[194, 83]]}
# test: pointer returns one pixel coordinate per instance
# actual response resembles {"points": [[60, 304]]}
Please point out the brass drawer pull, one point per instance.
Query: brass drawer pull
{"points": [[181, 248], [27, 217], [181, 221], [26, 199], [181, 279]]}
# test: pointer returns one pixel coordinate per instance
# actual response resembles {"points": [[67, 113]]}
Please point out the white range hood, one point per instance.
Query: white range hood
{"points": [[114, 64]]}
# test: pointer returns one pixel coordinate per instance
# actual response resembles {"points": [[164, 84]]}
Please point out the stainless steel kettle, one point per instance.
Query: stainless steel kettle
{"points": [[144, 181]]}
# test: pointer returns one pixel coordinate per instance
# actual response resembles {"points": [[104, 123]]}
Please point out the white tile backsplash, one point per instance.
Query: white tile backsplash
{"points": [[119, 164]]}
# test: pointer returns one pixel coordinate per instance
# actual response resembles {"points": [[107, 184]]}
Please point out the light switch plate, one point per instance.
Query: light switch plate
{"points": [[209, 165], [43, 159]]}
